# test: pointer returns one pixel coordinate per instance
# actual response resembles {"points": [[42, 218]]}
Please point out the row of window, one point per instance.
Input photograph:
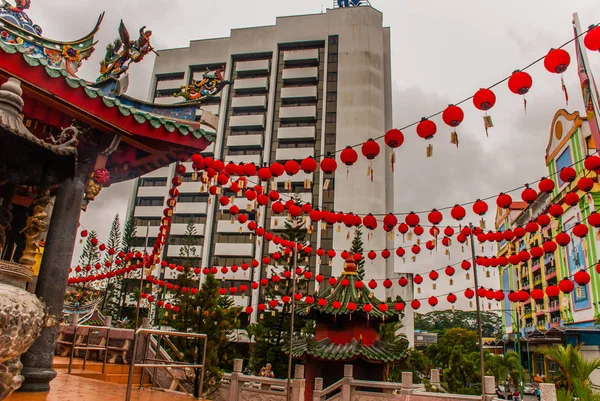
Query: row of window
{"points": [[153, 182]]}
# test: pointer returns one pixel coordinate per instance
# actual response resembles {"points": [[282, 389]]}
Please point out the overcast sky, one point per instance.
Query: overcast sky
{"points": [[442, 52]]}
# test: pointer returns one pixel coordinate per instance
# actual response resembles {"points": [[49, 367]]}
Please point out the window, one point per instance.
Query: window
{"points": [[333, 39], [332, 77], [185, 240], [564, 160], [247, 152], [140, 242], [332, 96], [189, 198], [331, 117], [153, 182], [150, 201], [330, 139], [332, 58], [144, 221], [188, 177], [186, 218]]}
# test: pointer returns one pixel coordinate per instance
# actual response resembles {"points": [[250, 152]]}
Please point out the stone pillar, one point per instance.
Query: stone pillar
{"points": [[489, 388], [298, 384], [107, 321], [318, 389], [347, 383], [52, 280], [435, 377], [234, 385], [547, 392]]}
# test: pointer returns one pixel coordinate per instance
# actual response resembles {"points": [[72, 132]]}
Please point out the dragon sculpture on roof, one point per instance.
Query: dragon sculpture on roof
{"points": [[124, 51], [16, 14], [211, 84]]}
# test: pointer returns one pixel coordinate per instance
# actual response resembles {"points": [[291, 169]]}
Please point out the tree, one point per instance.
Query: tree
{"points": [[110, 303], [416, 361], [575, 371], [503, 367], [357, 247], [272, 332], [129, 234], [442, 320], [189, 241]]}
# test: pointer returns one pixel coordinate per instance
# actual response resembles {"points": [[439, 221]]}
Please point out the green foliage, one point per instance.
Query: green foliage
{"points": [[110, 303], [575, 371], [357, 247], [90, 255], [128, 233], [442, 320], [189, 242], [505, 368]]}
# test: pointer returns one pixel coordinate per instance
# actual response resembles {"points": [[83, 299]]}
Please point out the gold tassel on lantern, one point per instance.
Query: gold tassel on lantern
{"points": [[307, 184], [454, 138], [451, 282], [393, 160], [429, 150], [487, 123], [482, 224]]}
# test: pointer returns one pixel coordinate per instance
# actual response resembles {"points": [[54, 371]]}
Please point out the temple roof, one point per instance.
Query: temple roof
{"points": [[346, 293], [327, 350]]}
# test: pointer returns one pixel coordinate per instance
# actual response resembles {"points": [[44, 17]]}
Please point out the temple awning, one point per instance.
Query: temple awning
{"points": [[327, 350]]}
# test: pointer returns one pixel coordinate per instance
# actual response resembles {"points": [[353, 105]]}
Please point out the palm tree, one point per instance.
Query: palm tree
{"points": [[574, 368], [503, 367]]}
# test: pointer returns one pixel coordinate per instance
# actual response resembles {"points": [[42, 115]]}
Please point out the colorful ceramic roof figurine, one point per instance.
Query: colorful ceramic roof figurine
{"points": [[139, 136]]}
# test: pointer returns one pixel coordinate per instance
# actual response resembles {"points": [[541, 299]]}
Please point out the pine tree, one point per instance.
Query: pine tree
{"points": [[357, 247], [89, 258], [110, 303], [129, 234], [206, 312], [272, 331]]}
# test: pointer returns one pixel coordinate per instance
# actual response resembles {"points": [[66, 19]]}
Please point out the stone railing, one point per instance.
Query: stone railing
{"points": [[239, 387], [349, 389]]}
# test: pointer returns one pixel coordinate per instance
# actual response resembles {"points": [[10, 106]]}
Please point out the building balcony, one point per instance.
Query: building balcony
{"points": [[249, 102], [298, 113], [148, 211], [153, 191], [173, 250], [252, 67], [240, 202], [537, 266], [170, 84], [227, 226], [180, 229], [225, 249], [251, 84], [284, 154], [254, 141], [161, 172], [190, 187], [301, 56], [249, 121], [172, 274], [554, 307], [189, 208], [298, 75], [142, 231], [293, 134], [243, 159], [554, 324], [299, 93]]}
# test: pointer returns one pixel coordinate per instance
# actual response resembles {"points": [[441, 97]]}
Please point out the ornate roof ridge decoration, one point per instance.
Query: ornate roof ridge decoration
{"points": [[11, 105], [211, 84], [17, 31], [123, 51], [170, 124], [326, 349], [345, 292]]}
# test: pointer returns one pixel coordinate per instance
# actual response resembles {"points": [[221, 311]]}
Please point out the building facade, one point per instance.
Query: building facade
{"points": [[565, 317], [306, 86]]}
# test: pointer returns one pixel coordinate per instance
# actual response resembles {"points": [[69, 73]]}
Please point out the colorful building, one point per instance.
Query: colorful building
{"points": [[567, 317]]}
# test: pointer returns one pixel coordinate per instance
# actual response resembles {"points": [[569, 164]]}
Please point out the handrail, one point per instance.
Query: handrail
{"points": [[156, 362], [87, 346], [335, 386]]}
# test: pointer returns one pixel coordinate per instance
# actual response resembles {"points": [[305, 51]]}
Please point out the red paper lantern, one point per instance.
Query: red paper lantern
{"points": [[552, 291], [399, 306], [592, 163], [549, 246], [322, 302], [383, 307], [536, 252], [433, 301], [426, 129], [435, 217], [264, 174], [529, 195], [389, 222], [591, 40], [555, 210], [348, 156], [449, 231], [415, 249], [451, 298], [370, 149], [351, 306], [580, 230], [594, 219], [412, 219], [520, 82], [417, 279], [309, 165], [433, 275], [585, 184], [481, 292], [370, 221], [469, 293], [458, 213], [567, 174], [291, 167], [543, 220], [394, 138], [566, 286], [484, 99], [557, 61], [403, 282], [465, 265], [449, 271], [453, 116], [537, 294], [277, 169], [415, 304], [367, 308], [328, 165], [581, 277], [532, 227], [480, 207], [504, 201], [571, 198], [513, 297], [385, 254], [499, 295], [372, 255]]}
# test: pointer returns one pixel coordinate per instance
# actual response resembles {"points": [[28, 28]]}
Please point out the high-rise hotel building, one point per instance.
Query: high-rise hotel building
{"points": [[306, 86]]}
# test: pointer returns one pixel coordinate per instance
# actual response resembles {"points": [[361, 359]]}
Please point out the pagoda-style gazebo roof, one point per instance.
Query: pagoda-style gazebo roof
{"points": [[325, 349]]}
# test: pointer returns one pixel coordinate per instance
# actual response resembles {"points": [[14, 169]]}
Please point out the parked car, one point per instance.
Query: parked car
{"points": [[529, 389]]}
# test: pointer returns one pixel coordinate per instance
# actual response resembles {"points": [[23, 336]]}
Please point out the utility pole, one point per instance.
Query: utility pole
{"points": [[479, 330], [293, 312], [141, 287]]}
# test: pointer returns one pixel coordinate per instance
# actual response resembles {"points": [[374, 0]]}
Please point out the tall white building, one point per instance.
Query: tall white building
{"points": [[306, 86]]}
